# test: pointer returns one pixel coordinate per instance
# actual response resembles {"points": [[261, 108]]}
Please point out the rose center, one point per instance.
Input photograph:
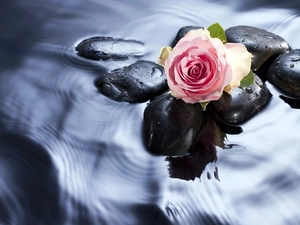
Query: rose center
{"points": [[196, 71]]}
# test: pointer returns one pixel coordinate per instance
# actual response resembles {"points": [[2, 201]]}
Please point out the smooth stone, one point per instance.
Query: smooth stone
{"points": [[264, 46], [284, 73], [139, 82], [242, 104], [108, 48], [182, 32], [171, 125]]}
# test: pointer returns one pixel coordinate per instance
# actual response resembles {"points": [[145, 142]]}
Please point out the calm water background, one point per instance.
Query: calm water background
{"points": [[69, 155]]}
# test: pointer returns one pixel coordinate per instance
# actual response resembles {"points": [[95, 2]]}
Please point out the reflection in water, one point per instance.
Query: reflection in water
{"points": [[203, 151], [28, 181], [72, 156]]}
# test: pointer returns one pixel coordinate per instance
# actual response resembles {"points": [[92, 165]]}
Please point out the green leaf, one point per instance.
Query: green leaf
{"points": [[217, 31], [204, 104], [247, 80]]}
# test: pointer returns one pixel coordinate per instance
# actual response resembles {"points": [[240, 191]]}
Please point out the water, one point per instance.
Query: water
{"points": [[72, 156]]}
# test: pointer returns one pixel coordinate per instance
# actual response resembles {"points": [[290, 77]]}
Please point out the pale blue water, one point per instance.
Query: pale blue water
{"points": [[72, 156]]}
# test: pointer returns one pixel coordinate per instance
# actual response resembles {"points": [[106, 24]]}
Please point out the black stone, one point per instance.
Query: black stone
{"points": [[242, 104], [293, 102], [264, 46], [284, 73], [171, 125], [138, 82], [108, 48], [182, 32]]}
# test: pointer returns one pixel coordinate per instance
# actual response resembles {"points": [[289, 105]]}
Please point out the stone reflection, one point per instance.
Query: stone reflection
{"points": [[204, 151], [188, 136]]}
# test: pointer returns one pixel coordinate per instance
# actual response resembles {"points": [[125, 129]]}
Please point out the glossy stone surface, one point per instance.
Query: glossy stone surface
{"points": [[171, 125], [108, 48], [138, 82], [182, 32], [264, 46], [284, 73], [242, 104]]}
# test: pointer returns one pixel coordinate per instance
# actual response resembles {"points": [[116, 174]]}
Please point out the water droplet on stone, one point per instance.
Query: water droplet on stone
{"points": [[296, 59], [262, 44], [249, 90], [284, 45], [134, 83], [269, 37]]}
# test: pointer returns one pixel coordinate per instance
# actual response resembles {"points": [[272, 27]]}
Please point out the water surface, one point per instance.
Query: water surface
{"points": [[72, 156]]}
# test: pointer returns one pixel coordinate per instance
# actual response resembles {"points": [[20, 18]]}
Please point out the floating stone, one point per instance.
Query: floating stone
{"points": [[284, 73], [108, 48], [138, 82], [264, 46], [171, 125], [182, 32], [242, 104]]}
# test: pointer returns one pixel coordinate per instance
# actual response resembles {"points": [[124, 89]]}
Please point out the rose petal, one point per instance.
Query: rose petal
{"points": [[240, 61]]}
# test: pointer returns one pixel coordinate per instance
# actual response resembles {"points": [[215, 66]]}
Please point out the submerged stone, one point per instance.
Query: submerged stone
{"points": [[108, 48], [242, 104], [284, 73], [264, 46], [138, 82], [171, 125], [182, 32]]}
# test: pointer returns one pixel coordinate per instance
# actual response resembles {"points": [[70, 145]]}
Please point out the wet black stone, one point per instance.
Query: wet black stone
{"points": [[264, 46], [108, 48], [242, 104], [171, 125], [138, 82], [284, 73], [182, 32]]}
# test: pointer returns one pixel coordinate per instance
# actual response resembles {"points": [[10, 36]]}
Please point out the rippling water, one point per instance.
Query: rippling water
{"points": [[72, 156]]}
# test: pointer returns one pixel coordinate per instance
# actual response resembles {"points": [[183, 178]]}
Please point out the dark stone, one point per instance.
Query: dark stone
{"points": [[284, 73], [264, 46], [108, 48], [293, 102], [171, 125], [242, 104], [182, 32], [138, 82]]}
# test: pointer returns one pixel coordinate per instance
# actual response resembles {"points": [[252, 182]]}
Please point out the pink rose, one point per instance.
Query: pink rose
{"points": [[200, 67]]}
